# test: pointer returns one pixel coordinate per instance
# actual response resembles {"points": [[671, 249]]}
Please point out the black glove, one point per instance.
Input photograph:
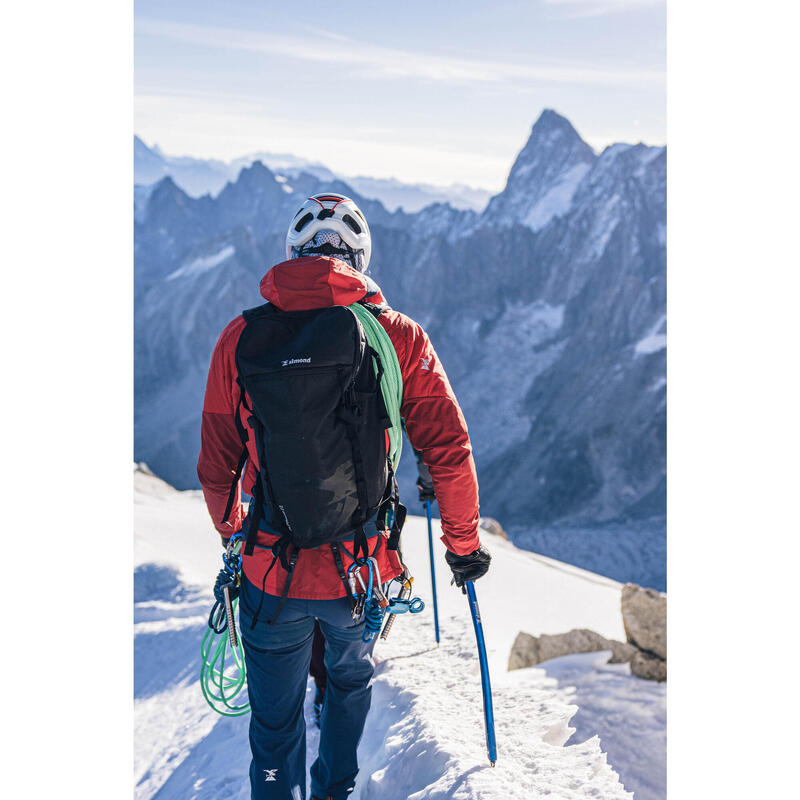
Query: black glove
{"points": [[425, 492], [225, 579], [424, 481], [469, 567]]}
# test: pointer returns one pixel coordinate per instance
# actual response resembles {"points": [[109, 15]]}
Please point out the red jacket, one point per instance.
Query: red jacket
{"points": [[434, 424]]}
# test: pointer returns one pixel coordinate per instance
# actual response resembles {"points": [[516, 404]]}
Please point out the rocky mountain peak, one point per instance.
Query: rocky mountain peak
{"points": [[552, 137], [544, 177], [254, 175], [166, 194]]}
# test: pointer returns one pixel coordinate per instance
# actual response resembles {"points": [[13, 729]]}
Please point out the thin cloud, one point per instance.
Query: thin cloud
{"points": [[392, 63], [599, 8], [227, 129]]}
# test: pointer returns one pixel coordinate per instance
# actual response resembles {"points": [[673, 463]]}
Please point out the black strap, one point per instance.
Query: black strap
{"points": [[234, 486], [391, 504], [263, 584], [348, 413], [289, 574], [385, 419], [373, 308], [262, 492], [337, 557], [240, 429], [400, 512], [352, 556], [360, 543], [256, 515]]}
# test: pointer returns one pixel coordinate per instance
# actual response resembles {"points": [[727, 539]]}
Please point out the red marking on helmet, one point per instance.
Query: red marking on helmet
{"points": [[334, 200], [327, 199]]}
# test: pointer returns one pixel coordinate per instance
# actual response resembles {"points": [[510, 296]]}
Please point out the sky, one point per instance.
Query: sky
{"points": [[433, 92]]}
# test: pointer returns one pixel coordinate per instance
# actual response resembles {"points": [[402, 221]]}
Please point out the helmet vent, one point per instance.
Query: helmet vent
{"points": [[304, 220], [351, 223]]}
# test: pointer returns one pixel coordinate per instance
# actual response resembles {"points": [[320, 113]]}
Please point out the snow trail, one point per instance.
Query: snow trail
{"points": [[424, 736]]}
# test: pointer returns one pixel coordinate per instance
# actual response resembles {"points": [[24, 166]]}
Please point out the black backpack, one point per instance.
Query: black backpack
{"points": [[319, 424]]}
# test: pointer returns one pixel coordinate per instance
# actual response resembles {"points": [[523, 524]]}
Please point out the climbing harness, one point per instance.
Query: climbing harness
{"points": [[222, 675]]}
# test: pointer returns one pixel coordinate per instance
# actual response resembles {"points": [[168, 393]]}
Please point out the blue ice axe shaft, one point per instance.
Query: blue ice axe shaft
{"points": [[433, 571], [486, 686]]}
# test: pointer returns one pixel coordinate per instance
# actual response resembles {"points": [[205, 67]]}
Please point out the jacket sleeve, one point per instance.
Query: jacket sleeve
{"points": [[220, 445], [436, 427]]}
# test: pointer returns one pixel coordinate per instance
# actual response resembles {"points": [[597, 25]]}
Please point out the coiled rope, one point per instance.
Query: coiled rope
{"points": [[222, 675]]}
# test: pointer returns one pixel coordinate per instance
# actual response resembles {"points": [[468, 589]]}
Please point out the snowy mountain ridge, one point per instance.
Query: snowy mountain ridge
{"points": [[209, 176], [575, 727]]}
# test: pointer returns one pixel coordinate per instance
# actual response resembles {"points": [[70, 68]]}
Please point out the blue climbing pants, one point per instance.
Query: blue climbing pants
{"points": [[277, 658]]}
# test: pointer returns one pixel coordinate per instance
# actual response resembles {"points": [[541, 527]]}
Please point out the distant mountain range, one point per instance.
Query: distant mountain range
{"points": [[548, 310], [209, 176]]}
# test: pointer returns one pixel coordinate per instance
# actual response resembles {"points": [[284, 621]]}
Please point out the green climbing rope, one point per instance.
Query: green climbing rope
{"points": [[222, 675], [392, 380]]}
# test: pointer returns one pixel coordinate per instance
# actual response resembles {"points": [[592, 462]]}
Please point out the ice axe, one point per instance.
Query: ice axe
{"points": [[426, 497], [433, 571], [486, 686]]}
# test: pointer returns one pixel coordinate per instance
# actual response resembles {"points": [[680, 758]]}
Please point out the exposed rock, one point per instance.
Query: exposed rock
{"points": [[530, 650], [524, 652], [491, 525], [644, 615], [648, 666]]}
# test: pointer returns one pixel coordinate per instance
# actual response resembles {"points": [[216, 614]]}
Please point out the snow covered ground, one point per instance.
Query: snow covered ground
{"points": [[424, 736]]}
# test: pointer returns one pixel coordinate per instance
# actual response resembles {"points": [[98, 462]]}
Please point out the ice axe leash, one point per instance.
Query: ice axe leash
{"points": [[486, 686], [433, 571], [222, 675]]}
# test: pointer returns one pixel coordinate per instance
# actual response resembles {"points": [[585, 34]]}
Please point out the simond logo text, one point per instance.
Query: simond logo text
{"points": [[289, 361]]}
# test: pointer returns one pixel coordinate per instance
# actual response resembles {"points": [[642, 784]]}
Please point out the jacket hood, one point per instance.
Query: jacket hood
{"points": [[302, 284]]}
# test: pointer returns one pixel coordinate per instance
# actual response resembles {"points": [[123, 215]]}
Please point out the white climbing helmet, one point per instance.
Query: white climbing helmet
{"points": [[330, 212]]}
